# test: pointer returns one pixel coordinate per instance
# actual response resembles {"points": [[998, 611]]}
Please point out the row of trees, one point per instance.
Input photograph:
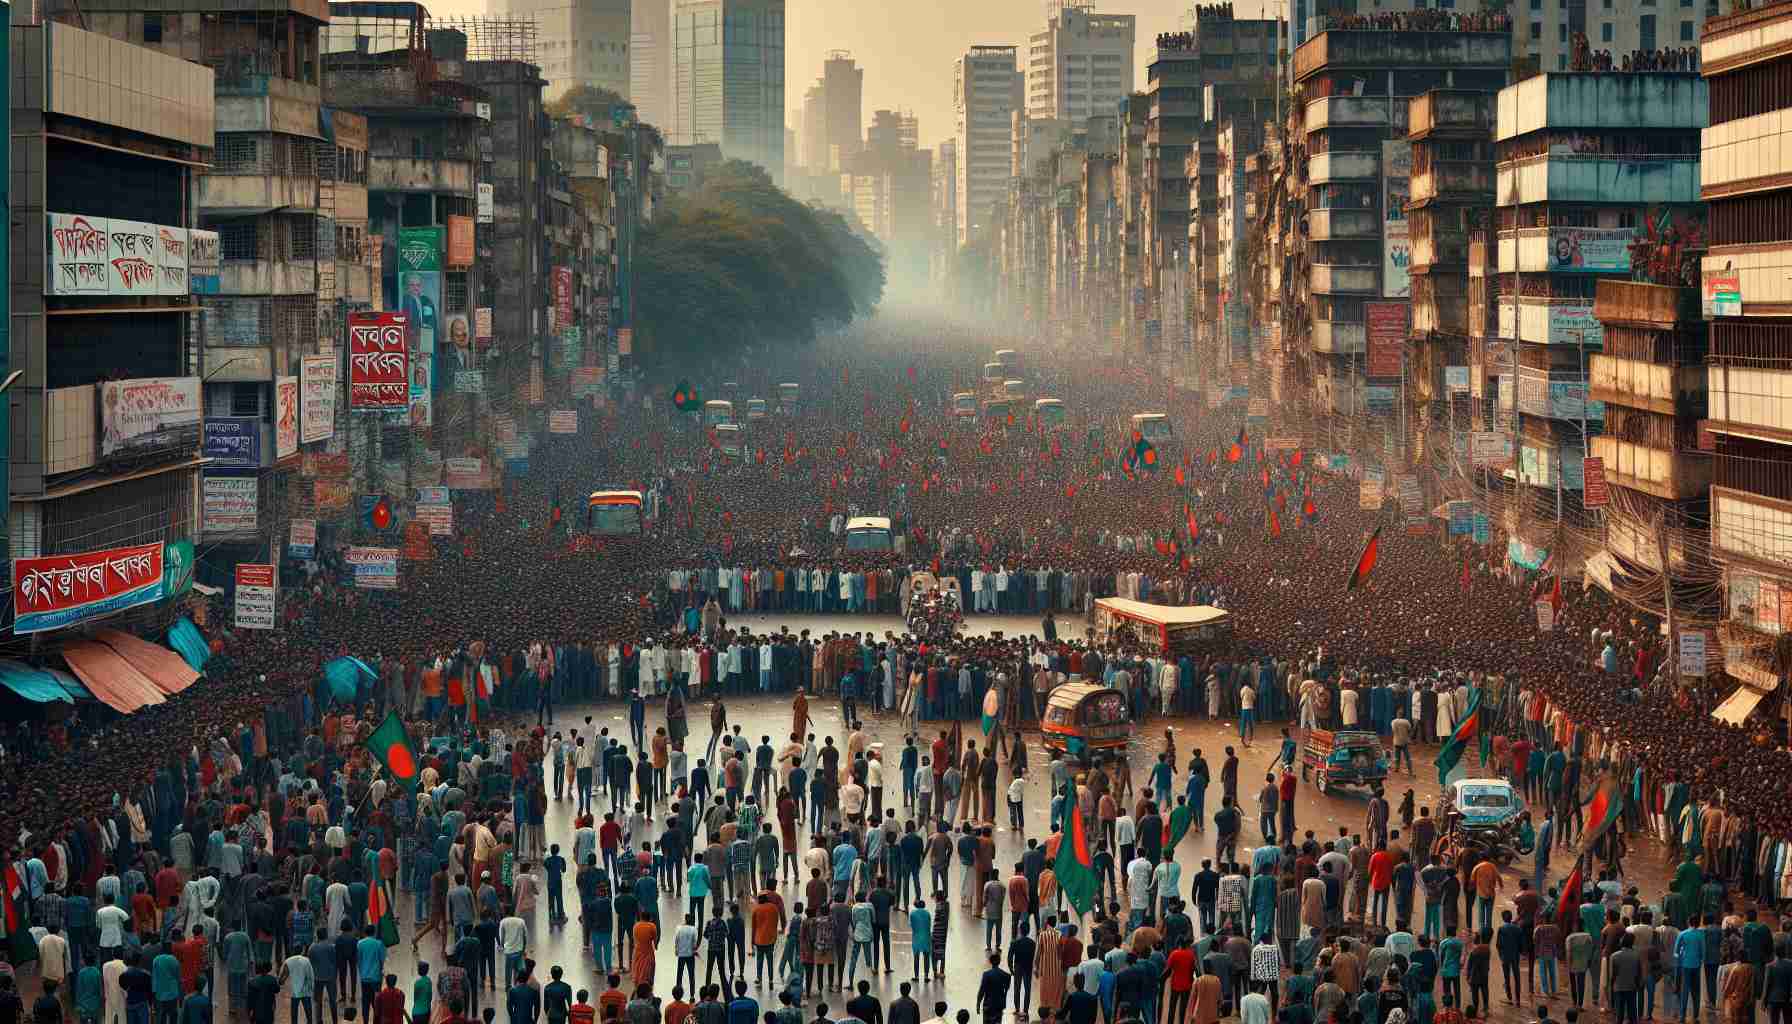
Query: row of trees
{"points": [[736, 262]]}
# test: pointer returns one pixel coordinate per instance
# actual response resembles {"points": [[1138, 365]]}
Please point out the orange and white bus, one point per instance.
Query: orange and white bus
{"points": [[614, 514]]}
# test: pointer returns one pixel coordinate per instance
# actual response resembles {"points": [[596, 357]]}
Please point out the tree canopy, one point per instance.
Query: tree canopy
{"points": [[738, 262], [594, 101]]}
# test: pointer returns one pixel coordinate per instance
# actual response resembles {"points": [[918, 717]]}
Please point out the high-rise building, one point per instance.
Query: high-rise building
{"points": [[813, 137], [577, 42], [650, 60], [1080, 65], [843, 101], [944, 180], [986, 90], [908, 129], [728, 78], [1747, 295]]}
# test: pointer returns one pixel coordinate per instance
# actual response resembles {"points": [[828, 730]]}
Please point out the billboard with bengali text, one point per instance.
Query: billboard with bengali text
{"points": [[54, 591]]}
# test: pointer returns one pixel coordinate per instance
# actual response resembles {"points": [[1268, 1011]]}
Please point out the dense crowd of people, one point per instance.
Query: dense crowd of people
{"points": [[249, 798]]}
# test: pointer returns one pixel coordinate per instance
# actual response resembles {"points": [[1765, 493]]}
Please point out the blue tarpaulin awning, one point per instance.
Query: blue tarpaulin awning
{"points": [[189, 643], [40, 685]]}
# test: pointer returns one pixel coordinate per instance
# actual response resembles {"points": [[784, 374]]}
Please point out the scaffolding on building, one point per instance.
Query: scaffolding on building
{"points": [[489, 38]]}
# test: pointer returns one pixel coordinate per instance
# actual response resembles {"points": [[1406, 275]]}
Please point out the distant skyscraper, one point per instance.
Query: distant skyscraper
{"points": [[843, 94], [986, 90], [813, 136], [908, 130], [1081, 65], [577, 42], [728, 78], [650, 60]]}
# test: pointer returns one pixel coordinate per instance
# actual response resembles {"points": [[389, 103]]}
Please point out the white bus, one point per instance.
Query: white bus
{"points": [[1050, 412], [614, 513], [717, 411], [790, 398], [869, 533], [1152, 426], [757, 409]]}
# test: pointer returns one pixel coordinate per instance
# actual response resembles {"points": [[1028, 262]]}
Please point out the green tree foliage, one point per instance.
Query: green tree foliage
{"points": [[738, 262], [594, 101]]}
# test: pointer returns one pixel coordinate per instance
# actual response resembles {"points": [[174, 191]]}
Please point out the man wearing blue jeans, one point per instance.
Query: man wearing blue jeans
{"points": [[1689, 960], [370, 962]]}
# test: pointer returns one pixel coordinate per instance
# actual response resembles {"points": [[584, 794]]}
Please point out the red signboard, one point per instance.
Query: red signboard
{"points": [[1387, 337], [61, 590], [1595, 493], [562, 298], [379, 365]]}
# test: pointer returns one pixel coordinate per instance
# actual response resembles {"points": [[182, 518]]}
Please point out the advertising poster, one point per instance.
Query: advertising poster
{"points": [[422, 397], [482, 324], [149, 414], [562, 298], [460, 241], [1721, 293], [1387, 329], [420, 290], [1692, 653], [563, 421], [204, 263], [60, 590], [302, 542], [378, 363], [416, 542], [375, 568], [317, 398], [100, 256], [229, 506], [459, 349], [286, 416], [1396, 233], [232, 442], [255, 586], [1590, 250]]}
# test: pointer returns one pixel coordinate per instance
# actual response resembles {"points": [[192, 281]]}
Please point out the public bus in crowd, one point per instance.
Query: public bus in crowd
{"points": [[994, 374], [1152, 426], [869, 533], [717, 411], [997, 410], [757, 409], [790, 398], [1009, 359], [964, 405], [1160, 628], [1050, 412], [730, 440], [1015, 388], [614, 514], [731, 390]]}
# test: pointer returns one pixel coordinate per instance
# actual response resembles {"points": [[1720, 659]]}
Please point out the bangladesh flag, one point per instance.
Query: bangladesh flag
{"points": [[1365, 563], [1075, 866], [1466, 731], [1568, 903], [1180, 819], [1602, 810], [21, 948], [379, 911], [392, 749], [992, 710]]}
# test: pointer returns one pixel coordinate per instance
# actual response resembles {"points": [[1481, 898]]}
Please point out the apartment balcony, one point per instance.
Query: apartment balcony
{"points": [[1751, 527], [1331, 50], [355, 282], [1346, 111], [1597, 178], [242, 195], [1454, 112], [1672, 475], [268, 277], [1323, 225], [1655, 387], [1750, 401], [1546, 321], [1748, 154], [420, 174], [1466, 181], [1433, 246], [1339, 339], [1603, 102], [1343, 165], [1645, 304], [1344, 279], [1439, 304]]}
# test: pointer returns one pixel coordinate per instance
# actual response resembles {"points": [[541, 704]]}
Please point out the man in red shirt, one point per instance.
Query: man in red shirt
{"points": [[191, 954], [1179, 967], [677, 1011], [1381, 882], [388, 1004]]}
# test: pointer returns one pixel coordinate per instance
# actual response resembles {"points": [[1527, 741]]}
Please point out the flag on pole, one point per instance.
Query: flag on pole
{"points": [[1601, 811], [392, 749], [1075, 866], [1466, 731], [1568, 903], [1365, 563], [992, 709]]}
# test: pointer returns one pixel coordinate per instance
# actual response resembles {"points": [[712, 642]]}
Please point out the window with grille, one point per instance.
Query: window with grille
{"points": [[454, 292], [236, 153], [239, 240], [245, 400], [302, 233]]}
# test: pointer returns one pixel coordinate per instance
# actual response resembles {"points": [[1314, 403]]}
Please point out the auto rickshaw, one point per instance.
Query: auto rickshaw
{"points": [[1343, 758], [1084, 719]]}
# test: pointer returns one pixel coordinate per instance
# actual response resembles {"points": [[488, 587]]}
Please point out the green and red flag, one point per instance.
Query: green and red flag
{"points": [[685, 398], [392, 749], [1075, 866], [379, 911], [1601, 811], [1568, 902], [1365, 563], [1466, 730], [992, 709]]}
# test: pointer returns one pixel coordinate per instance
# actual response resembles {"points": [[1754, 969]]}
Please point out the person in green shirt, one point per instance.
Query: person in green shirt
{"points": [[422, 995], [164, 976], [90, 994], [1449, 967]]}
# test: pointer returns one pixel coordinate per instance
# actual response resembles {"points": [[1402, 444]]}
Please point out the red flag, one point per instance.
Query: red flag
{"points": [[1213, 456], [1555, 601], [1187, 563], [1194, 528], [1465, 576], [1234, 453], [1180, 479], [1275, 524], [936, 565], [911, 373], [759, 456], [1365, 563], [1163, 547], [1070, 490], [903, 426], [1308, 509], [1295, 461]]}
